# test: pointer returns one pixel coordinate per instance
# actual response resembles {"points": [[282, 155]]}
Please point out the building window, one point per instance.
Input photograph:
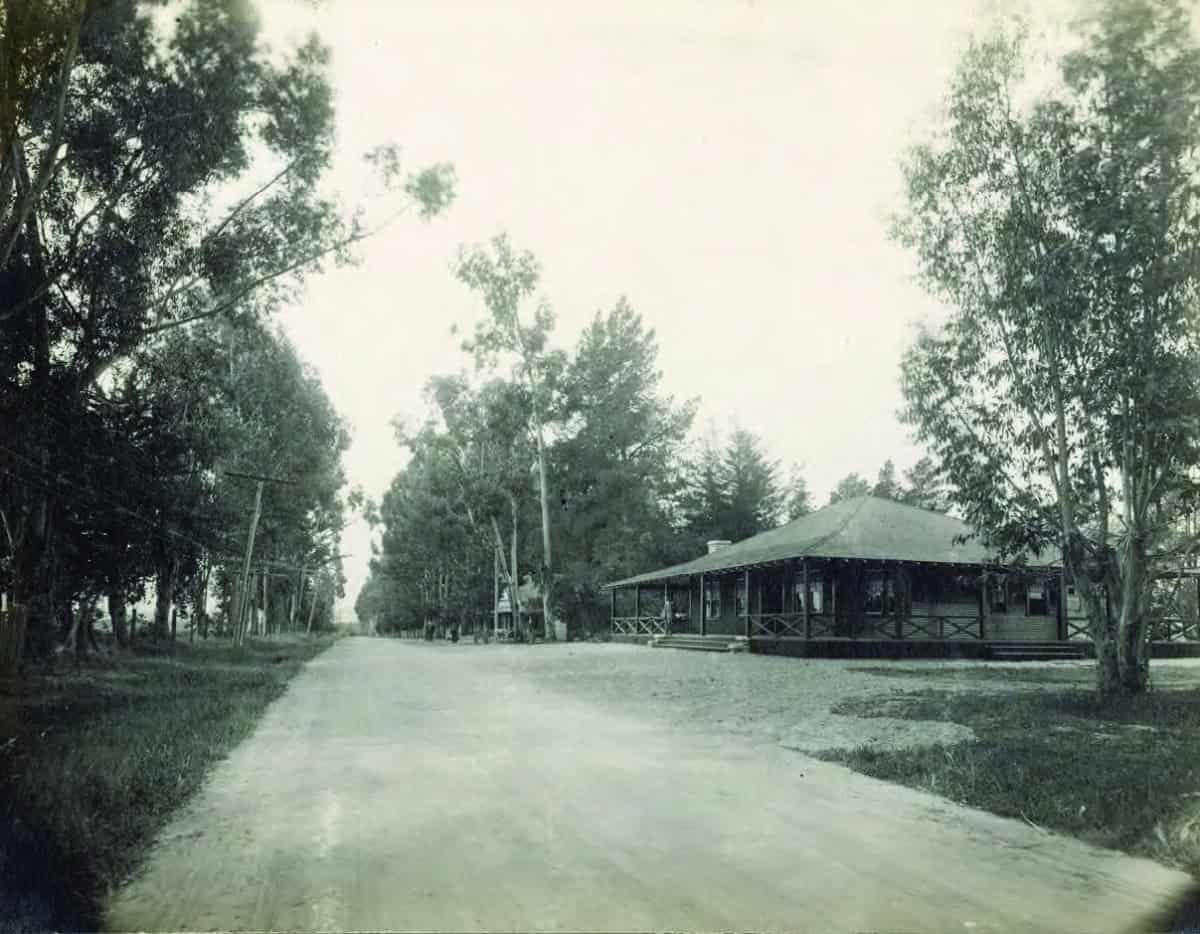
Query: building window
{"points": [[1036, 603], [880, 595], [712, 599], [739, 596], [998, 595], [816, 595]]}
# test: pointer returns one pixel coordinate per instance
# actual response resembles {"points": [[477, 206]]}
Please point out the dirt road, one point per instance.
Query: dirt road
{"points": [[402, 786]]}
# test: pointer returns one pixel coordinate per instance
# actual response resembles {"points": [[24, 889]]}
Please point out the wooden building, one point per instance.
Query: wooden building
{"points": [[506, 625], [864, 569]]}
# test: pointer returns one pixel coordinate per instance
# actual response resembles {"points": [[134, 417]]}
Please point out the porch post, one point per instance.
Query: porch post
{"points": [[637, 608], [984, 606], [804, 598], [612, 610], [703, 608], [760, 597], [666, 615], [1062, 604], [689, 587], [833, 592], [746, 609], [898, 603]]}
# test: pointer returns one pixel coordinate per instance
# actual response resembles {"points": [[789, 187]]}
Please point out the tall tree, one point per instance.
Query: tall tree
{"points": [[798, 498], [616, 464], [848, 487], [734, 490], [923, 486], [505, 279], [1062, 227], [886, 485]]}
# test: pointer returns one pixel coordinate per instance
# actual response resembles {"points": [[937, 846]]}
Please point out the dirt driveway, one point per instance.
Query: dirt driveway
{"points": [[405, 786]]}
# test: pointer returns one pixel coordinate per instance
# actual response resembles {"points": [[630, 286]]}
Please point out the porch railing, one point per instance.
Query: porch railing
{"points": [[820, 626], [638, 626], [1163, 629]]}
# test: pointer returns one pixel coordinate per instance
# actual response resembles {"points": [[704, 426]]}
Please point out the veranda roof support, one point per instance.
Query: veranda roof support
{"points": [[703, 608], [746, 602], [804, 598]]}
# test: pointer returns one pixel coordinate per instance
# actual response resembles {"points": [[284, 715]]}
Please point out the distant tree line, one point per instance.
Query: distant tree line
{"points": [[627, 486]]}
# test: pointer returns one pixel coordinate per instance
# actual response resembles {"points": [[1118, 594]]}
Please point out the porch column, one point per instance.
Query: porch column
{"points": [[612, 610], [703, 608], [637, 608], [689, 587], [1062, 605], [746, 608], [804, 598], [985, 606], [898, 603], [666, 615]]}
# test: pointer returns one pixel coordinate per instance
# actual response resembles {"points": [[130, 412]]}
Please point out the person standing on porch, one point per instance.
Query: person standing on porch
{"points": [[666, 615]]}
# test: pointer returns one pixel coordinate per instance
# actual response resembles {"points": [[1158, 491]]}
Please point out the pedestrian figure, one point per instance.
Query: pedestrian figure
{"points": [[666, 615]]}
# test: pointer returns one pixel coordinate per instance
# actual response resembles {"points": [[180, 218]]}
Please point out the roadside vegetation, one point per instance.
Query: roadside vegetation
{"points": [[1121, 773], [94, 761]]}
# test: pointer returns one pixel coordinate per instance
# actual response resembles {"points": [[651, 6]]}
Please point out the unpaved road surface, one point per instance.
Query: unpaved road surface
{"points": [[405, 786]]}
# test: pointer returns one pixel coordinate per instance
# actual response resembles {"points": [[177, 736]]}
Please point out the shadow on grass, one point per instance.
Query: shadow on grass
{"points": [[93, 763], [1124, 775]]}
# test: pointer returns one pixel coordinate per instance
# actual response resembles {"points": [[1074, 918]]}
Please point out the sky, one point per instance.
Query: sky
{"points": [[728, 165]]}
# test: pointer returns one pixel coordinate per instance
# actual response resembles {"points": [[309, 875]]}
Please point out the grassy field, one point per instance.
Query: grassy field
{"points": [[93, 762], [1124, 775]]}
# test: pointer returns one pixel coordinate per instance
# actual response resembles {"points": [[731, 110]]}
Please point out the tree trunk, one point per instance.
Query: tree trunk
{"points": [[1133, 668], [547, 574], [174, 621], [116, 611], [164, 586]]}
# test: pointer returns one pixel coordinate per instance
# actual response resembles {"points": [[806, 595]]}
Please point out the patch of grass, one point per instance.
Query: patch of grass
{"points": [[1124, 775], [92, 765]]}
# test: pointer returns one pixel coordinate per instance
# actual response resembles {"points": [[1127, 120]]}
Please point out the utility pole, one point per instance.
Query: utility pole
{"points": [[243, 597]]}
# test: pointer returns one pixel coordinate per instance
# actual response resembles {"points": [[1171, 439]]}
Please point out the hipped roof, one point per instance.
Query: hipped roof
{"points": [[864, 528]]}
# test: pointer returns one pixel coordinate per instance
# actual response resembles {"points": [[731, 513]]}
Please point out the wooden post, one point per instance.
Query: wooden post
{"points": [[244, 594], [612, 611], [703, 608], [666, 615], [759, 592], [833, 590], [637, 608], [1062, 605], [746, 608], [985, 606], [266, 623], [898, 603], [804, 599], [689, 610], [783, 586]]}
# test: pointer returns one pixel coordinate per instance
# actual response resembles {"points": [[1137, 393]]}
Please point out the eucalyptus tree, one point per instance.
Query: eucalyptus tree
{"points": [[508, 334], [1060, 222]]}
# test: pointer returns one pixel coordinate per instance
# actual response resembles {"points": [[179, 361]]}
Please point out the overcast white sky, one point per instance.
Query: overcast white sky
{"points": [[727, 164]]}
